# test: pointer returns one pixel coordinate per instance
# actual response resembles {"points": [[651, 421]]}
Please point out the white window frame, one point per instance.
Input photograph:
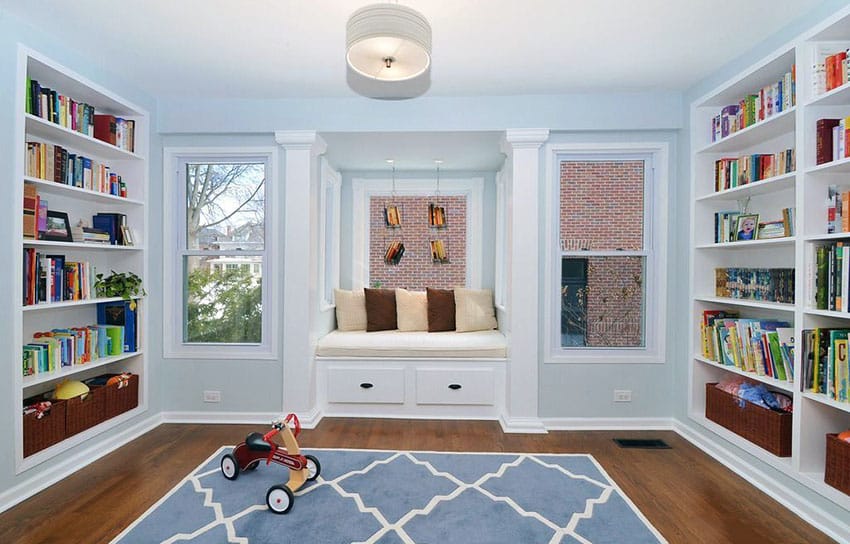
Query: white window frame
{"points": [[364, 189], [329, 217], [174, 235], [655, 251]]}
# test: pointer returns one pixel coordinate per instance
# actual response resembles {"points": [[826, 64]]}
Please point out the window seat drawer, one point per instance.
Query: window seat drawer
{"points": [[462, 386], [366, 385]]}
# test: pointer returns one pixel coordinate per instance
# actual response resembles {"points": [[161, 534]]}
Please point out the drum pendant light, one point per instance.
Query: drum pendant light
{"points": [[388, 42]]}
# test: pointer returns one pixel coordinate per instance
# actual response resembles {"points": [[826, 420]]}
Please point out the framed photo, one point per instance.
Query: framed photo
{"points": [[127, 236], [58, 227], [772, 229], [747, 227]]}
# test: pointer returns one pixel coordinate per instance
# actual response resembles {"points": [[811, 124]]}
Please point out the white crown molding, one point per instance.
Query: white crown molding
{"points": [[301, 139], [525, 138]]}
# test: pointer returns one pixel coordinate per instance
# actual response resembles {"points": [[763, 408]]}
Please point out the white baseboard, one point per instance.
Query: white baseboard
{"points": [[608, 423], [836, 528], [527, 425], [64, 465]]}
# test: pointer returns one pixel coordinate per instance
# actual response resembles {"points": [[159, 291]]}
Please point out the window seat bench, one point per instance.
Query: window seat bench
{"points": [[443, 375], [476, 344]]}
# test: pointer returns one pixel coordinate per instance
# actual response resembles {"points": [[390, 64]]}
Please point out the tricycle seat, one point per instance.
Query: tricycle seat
{"points": [[255, 442]]}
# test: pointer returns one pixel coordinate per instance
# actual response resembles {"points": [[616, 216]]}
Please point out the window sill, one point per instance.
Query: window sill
{"points": [[220, 353], [607, 358]]}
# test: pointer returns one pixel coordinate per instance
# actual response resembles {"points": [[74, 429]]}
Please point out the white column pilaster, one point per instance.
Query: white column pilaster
{"points": [[523, 150], [300, 280]]}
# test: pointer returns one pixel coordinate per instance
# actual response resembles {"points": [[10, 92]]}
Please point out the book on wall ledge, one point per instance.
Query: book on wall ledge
{"points": [[394, 253]]}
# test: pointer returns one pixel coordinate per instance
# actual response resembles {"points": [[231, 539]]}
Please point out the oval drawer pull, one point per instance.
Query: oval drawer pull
{"points": [[455, 386], [367, 385]]}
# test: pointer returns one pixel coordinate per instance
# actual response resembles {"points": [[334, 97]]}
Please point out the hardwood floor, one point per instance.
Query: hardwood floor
{"points": [[686, 495]]}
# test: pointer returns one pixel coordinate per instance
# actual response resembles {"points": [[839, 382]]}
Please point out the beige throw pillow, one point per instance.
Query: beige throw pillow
{"points": [[350, 310], [474, 310], [412, 310]]}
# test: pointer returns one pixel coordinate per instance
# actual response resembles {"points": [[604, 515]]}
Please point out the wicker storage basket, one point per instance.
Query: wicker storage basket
{"points": [[121, 397], [84, 413], [43, 433], [761, 426], [837, 463]]}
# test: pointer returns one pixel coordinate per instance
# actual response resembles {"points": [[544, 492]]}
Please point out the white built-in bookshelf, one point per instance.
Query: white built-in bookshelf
{"points": [[79, 203], [806, 190]]}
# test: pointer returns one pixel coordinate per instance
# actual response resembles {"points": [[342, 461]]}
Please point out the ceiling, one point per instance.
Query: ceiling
{"points": [[295, 48]]}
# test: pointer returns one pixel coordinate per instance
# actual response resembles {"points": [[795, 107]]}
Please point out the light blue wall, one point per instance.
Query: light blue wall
{"points": [[13, 31]]}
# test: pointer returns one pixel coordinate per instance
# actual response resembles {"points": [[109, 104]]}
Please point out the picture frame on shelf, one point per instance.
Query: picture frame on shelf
{"points": [[747, 227], [58, 228], [771, 229]]}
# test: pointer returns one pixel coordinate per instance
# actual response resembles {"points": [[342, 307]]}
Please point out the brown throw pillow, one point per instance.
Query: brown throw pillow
{"points": [[441, 309], [380, 310]]}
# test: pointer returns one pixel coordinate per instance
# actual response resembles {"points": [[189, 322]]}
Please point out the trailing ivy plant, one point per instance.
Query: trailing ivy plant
{"points": [[119, 284]]}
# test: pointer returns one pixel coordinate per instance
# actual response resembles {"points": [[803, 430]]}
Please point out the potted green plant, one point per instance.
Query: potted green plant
{"points": [[119, 284]]}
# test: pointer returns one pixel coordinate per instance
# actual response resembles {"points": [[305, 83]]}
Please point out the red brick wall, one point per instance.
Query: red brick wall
{"points": [[416, 269], [602, 203], [602, 208]]}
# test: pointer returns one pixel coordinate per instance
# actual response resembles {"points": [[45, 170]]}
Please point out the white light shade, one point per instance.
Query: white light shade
{"points": [[388, 42]]}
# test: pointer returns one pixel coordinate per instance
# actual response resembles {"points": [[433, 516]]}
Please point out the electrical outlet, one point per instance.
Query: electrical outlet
{"points": [[212, 396], [622, 395]]}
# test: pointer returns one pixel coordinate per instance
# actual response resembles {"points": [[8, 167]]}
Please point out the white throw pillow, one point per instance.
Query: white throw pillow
{"points": [[350, 310], [411, 310], [474, 310]]}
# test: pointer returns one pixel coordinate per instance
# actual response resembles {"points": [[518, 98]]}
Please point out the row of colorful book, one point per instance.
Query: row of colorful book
{"points": [[768, 101], [831, 139], [51, 278], [436, 215], [54, 163], [50, 351], [763, 347], [51, 105], [825, 363], [829, 69], [438, 252], [733, 172], [763, 284], [830, 274], [394, 253], [392, 216]]}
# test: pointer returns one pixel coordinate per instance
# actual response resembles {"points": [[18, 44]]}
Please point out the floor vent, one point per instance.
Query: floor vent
{"points": [[643, 443]]}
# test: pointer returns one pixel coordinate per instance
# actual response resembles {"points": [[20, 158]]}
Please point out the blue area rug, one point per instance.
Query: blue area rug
{"points": [[388, 497]]}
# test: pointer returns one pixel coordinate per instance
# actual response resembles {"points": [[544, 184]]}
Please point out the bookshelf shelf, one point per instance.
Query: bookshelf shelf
{"points": [[749, 244], [806, 190], [765, 186], [79, 204], [840, 166], [51, 187], [777, 384], [39, 128], [771, 127], [837, 96], [748, 303], [823, 399], [67, 372]]}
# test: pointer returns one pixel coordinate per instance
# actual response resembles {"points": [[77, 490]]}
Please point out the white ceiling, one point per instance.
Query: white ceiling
{"points": [[295, 48]]}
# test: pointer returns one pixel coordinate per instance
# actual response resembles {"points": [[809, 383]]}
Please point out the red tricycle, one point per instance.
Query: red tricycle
{"points": [[256, 447]]}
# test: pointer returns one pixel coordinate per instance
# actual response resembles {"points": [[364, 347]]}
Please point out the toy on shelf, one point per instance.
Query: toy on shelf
{"points": [[256, 447]]}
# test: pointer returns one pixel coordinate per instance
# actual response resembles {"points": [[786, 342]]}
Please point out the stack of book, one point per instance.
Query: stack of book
{"points": [[829, 67], [52, 162], [438, 252], [764, 284], [394, 253], [59, 348], [770, 100], [436, 216], [58, 108], [734, 172], [392, 216], [828, 277], [50, 278]]}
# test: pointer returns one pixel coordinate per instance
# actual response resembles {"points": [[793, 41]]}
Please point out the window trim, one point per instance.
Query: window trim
{"points": [[655, 248], [173, 198]]}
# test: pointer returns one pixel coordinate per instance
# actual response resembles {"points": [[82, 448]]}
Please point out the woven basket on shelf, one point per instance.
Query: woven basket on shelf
{"points": [[41, 433], [837, 472], [763, 427], [121, 397], [85, 411]]}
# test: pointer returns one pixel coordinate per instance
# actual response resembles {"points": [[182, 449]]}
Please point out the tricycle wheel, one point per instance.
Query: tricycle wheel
{"points": [[252, 465], [229, 467], [279, 499], [314, 468]]}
